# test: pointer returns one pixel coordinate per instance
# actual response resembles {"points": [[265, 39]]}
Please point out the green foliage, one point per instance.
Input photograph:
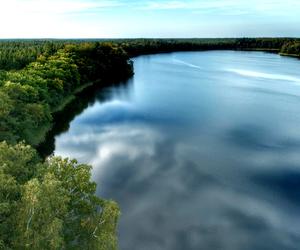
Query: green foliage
{"points": [[261, 43], [9, 196], [105, 61], [20, 161], [291, 48], [51, 205], [29, 96], [17, 165], [137, 47], [40, 215], [16, 54]]}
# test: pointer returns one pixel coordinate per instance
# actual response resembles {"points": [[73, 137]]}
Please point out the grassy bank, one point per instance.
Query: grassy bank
{"points": [[68, 99], [291, 55]]}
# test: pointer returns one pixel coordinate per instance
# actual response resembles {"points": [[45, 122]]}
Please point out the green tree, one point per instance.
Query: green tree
{"points": [[9, 196], [51, 204], [90, 222], [41, 215]]}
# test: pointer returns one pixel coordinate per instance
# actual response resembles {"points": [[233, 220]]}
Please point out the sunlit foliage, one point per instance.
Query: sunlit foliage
{"points": [[51, 204]]}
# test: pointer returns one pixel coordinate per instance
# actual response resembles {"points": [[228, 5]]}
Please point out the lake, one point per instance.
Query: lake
{"points": [[200, 149]]}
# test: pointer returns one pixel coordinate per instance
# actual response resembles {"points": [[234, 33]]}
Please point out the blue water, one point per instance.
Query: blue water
{"points": [[200, 149]]}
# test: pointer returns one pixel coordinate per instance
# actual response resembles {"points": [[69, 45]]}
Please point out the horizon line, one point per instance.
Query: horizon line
{"points": [[158, 38]]}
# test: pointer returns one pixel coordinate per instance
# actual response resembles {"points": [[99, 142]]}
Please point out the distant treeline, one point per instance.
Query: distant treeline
{"points": [[149, 46], [16, 54]]}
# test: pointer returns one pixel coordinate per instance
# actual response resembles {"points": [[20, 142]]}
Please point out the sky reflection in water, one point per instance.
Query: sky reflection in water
{"points": [[201, 150]]}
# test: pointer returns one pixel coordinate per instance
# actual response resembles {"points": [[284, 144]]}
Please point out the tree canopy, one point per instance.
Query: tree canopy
{"points": [[51, 204]]}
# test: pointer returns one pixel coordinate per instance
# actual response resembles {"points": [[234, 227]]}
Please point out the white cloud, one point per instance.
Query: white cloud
{"points": [[121, 18], [50, 18], [27, 7], [238, 6], [187, 4]]}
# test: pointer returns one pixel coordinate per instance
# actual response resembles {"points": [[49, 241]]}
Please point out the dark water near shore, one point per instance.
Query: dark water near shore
{"points": [[200, 149]]}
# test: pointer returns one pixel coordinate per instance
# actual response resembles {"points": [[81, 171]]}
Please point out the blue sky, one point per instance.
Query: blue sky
{"points": [[148, 18]]}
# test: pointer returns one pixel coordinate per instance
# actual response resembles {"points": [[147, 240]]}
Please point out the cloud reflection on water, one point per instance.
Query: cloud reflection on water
{"points": [[163, 193], [196, 173]]}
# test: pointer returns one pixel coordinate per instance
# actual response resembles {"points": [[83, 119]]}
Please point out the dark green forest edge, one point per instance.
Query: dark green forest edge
{"points": [[51, 203]]}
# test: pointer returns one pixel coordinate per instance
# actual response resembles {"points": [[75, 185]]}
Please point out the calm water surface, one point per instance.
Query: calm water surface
{"points": [[200, 149]]}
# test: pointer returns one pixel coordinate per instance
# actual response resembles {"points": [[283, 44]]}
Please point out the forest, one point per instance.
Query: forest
{"points": [[51, 203]]}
